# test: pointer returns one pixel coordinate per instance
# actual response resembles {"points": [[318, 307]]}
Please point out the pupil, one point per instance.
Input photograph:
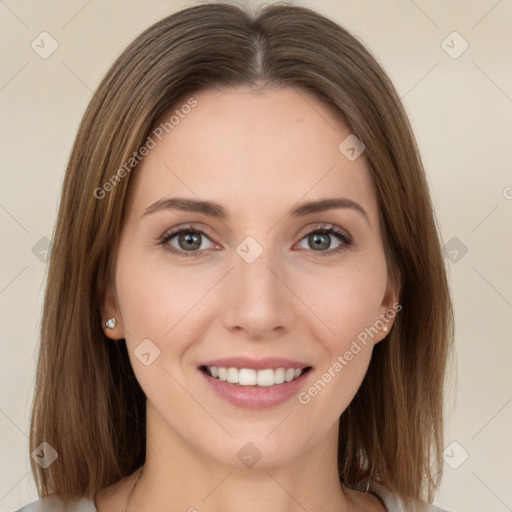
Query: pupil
{"points": [[321, 241], [191, 238]]}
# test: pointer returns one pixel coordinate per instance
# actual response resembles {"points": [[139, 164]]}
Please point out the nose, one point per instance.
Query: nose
{"points": [[256, 298]]}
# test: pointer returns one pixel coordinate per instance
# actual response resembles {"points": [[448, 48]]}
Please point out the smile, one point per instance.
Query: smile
{"points": [[250, 377]]}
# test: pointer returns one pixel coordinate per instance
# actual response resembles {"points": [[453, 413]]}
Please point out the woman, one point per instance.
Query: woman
{"points": [[247, 304]]}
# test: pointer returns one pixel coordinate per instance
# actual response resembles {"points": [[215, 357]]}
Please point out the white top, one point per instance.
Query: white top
{"points": [[55, 504]]}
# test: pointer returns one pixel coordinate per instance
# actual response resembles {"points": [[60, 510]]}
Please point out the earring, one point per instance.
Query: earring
{"points": [[385, 328], [111, 323]]}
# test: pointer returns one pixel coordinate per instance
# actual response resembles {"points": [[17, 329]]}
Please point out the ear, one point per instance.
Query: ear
{"points": [[388, 309], [110, 309]]}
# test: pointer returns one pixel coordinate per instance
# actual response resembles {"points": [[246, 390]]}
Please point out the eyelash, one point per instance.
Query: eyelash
{"points": [[324, 229]]}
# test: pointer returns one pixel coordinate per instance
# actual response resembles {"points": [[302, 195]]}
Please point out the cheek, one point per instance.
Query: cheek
{"points": [[346, 301], [164, 304], [155, 296], [331, 392], [154, 302]]}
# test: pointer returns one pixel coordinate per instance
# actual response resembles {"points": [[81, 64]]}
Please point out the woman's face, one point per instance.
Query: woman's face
{"points": [[251, 279]]}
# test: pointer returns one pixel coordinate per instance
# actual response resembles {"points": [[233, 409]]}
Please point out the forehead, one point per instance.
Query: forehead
{"points": [[273, 146]]}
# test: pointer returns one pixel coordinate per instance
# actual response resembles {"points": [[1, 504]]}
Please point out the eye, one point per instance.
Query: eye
{"points": [[189, 241], [320, 239]]}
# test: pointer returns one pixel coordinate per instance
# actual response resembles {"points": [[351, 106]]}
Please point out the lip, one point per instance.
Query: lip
{"points": [[255, 397], [255, 364]]}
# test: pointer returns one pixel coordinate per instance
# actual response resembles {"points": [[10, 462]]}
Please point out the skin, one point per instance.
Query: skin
{"points": [[258, 153]]}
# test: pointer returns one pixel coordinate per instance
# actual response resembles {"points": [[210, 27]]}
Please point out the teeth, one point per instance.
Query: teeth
{"points": [[279, 375], [232, 376], [250, 377], [247, 377]]}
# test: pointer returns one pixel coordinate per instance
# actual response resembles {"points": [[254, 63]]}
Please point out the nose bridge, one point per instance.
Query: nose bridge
{"points": [[255, 275], [258, 301]]}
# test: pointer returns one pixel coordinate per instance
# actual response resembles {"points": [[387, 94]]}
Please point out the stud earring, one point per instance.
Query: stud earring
{"points": [[385, 328], [111, 323]]}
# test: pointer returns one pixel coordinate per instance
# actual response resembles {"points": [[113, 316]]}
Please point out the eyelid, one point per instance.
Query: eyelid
{"points": [[323, 226]]}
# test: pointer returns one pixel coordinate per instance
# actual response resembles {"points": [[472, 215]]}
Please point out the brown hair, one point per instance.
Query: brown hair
{"points": [[88, 404]]}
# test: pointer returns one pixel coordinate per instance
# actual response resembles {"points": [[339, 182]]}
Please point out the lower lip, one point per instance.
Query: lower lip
{"points": [[255, 397]]}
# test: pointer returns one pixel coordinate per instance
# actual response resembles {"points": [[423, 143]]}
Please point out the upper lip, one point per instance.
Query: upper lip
{"points": [[255, 364]]}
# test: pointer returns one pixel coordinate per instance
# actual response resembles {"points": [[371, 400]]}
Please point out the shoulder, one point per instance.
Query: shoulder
{"points": [[54, 503], [394, 504]]}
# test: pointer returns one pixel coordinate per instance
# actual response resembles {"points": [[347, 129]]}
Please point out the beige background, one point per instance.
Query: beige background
{"points": [[460, 108]]}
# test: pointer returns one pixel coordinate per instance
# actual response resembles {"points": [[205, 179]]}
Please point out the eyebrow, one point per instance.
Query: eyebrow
{"points": [[216, 210]]}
